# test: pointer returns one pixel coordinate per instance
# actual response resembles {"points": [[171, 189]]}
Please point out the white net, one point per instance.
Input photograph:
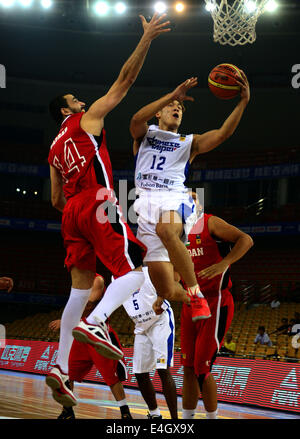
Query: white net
{"points": [[235, 20]]}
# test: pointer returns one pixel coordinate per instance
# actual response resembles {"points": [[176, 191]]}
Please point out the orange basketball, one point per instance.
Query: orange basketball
{"points": [[222, 81]]}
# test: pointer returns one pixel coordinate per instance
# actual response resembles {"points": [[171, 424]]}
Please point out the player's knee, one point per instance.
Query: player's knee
{"points": [[165, 375], [142, 377], [163, 372], [166, 232], [188, 372], [201, 378]]}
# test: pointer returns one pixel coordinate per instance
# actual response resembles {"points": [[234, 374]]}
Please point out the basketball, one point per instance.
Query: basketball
{"points": [[222, 81]]}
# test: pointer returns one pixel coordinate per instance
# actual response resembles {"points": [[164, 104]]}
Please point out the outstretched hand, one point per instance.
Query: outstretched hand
{"points": [[213, 270], [54, 325], [6, 283], [157, 306], [245, 88], [180, 92], [154, 27]]}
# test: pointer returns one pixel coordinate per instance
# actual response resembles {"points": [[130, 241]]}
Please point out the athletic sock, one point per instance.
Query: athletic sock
{"points": [[70, 318], [188, 414], [211, 415], [116, 294], [155, 412], [195, 290], [122, 402]]}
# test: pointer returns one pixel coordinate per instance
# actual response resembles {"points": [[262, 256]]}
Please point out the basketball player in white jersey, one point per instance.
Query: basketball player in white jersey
{"points": [[153, 346], [164, 207]]}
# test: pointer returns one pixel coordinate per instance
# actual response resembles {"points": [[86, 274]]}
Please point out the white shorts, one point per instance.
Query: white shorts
{"points": [[149, 207], [154, 348]]}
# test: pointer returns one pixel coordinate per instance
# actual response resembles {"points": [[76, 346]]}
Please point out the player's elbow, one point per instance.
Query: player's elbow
{"points": [[99, 286], [57, 203], [54, 201], [136, 121], [138, 127], [249, 240], [246, 241]]}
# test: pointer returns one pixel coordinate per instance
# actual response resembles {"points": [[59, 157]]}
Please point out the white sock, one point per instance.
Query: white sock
{"points": [[70, 318], [116, 294], [188, 414], [211, 415], [122, 402], [155, 412], [195, 290]]}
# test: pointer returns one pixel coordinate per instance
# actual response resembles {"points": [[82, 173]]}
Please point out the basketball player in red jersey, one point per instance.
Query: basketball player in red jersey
{"points": [[209, 247], [83, 357], [82, 188]]}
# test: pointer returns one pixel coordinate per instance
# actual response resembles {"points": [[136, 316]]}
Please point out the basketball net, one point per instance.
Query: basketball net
{"points": [[235, 20]]}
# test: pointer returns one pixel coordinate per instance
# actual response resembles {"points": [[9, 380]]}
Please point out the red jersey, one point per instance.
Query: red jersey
{"points": [[81, 158], [206, 250]]}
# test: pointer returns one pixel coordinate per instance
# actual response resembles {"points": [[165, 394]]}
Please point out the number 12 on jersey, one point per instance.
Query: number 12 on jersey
{"points": [[158, 163]]}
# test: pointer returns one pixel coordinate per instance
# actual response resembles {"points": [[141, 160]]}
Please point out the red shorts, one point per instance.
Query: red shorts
{"points": [[83, 357], [201, 341], [87, 234]]}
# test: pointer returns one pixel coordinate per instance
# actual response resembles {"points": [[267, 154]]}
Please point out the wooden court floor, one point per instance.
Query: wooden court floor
{"points": [[26, 396]]}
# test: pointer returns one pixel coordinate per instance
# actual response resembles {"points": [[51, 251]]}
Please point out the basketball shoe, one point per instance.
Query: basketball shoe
{"points": [[59, 384], [67, 413], [98, 337], [200, 308], [126, 416], [153, 416]]}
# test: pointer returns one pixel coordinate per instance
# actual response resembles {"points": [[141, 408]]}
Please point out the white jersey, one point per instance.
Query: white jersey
{"points": [[163, 160], [139, 305]]}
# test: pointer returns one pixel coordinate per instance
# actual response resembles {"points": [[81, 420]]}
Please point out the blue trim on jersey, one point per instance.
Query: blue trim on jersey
{"points": [[185, 211], [187, 170], [170, 339]]}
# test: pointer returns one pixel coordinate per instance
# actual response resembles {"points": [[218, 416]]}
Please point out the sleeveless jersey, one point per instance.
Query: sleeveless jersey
{"points": [[205, 250], [81, 158], [139, 305], [162, 161]]}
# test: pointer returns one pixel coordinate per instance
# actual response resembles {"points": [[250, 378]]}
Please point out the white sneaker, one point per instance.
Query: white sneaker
{"points": [[60, 386], [98, 337]]}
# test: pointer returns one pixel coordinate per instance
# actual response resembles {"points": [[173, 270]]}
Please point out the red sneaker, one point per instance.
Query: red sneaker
{"points": [[98, 337], [200, 308], [60, 386]]}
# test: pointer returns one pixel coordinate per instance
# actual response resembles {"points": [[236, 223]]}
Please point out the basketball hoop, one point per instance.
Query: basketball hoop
{"points": [[235, 20]]}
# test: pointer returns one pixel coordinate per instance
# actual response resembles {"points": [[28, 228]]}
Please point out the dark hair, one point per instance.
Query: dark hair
{"points": [[55, 106], [261, 328]]}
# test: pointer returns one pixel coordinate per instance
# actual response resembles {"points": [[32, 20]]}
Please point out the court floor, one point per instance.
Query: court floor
{"points": [[26, 396]]}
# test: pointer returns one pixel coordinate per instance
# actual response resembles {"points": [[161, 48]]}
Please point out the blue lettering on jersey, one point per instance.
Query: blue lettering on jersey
{"points": [[161, 145]]}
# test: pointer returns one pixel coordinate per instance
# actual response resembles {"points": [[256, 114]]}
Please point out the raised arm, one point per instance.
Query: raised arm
{"points": [[138, 123], [93, 118], [226, 232], [211, 139]]}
